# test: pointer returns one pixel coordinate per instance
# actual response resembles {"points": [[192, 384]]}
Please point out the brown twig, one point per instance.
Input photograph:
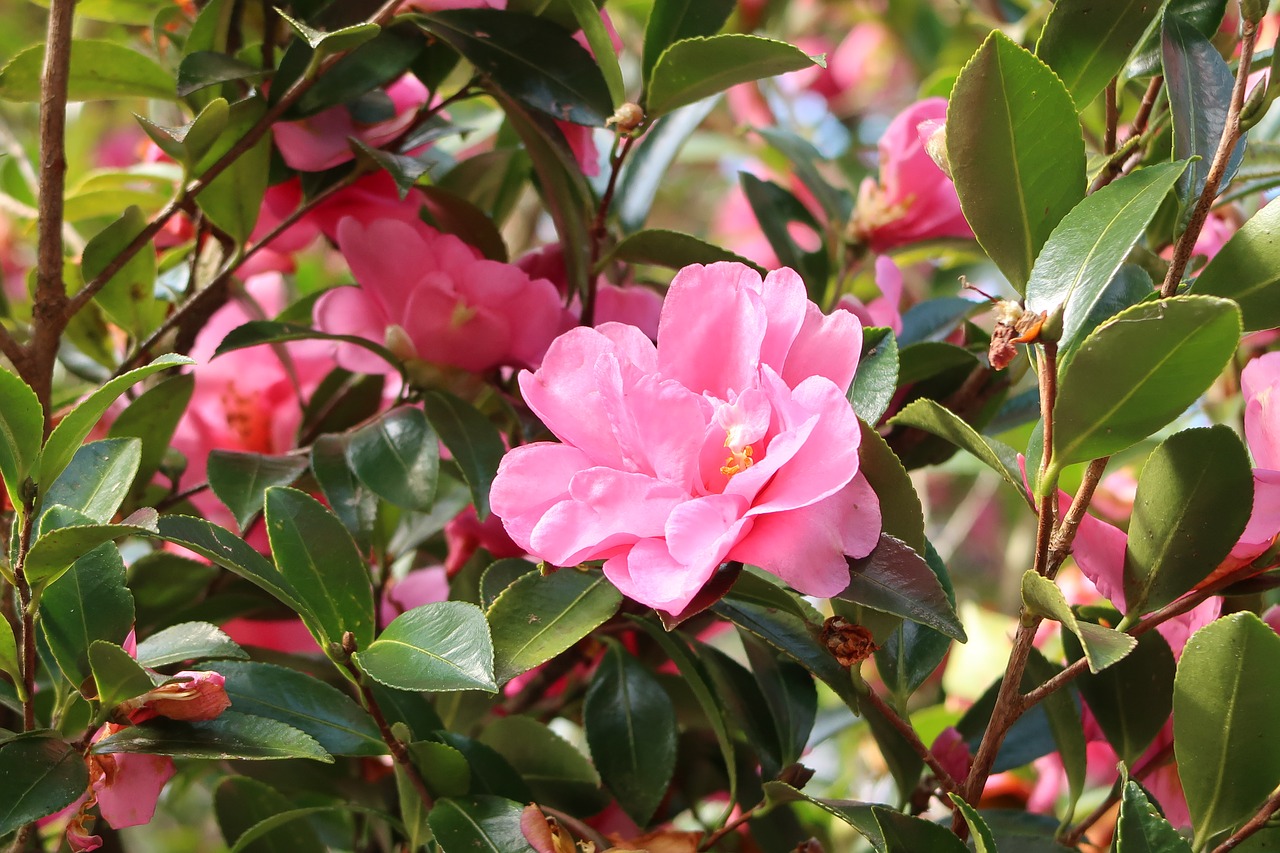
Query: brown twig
{"points": [[1257, 822], [1217, 171], [1120, 162], [945, 779], [713, 838], [1060, 543], [28, 638], [599, 230], [1113, 119]]}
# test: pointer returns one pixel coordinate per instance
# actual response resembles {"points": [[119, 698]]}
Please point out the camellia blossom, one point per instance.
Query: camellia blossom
{"points": [[186, 696], [731, 440]]}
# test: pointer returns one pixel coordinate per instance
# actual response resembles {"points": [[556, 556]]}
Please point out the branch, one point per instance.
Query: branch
{"points": [[599, 231], [1257, 822], [1060, 543], [905, 729], [1217, 171]]}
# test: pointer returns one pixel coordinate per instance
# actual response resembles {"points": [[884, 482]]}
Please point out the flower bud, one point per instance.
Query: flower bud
{"points": [[626, 118], [1254, 11], [187, 696]]}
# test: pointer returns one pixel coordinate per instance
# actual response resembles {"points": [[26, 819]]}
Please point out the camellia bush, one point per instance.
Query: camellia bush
{"points": [[550, 426]]}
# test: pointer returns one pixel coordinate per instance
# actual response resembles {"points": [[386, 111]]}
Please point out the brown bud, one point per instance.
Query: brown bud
{"points": [[796, 775], [848, 643], [626, 118], [1014, 325]]}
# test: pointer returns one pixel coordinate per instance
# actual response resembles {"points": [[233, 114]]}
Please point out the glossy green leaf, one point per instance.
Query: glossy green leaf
{"points": [[73, 429], [790, 695], [1205, 15], [187, 641], [454, 214], [1085, 251], [374, 64], [877, 377], [556, 772], [695, 68], [9, 653], [631, 729], [398, 458], [1138, 371], [1194, 498], [913, 652], [325, 713], [1063, 712], [983, 841], [1103, 647], [152, 419], [539, 616], [673, 20], [478, 825], [354, 504], [240, 479], [778, 211], [116, 675], [1142, 829], [1132, 699], [205, 68], [906, 834], [89, 602], [187, 144], [230, 735], [438, 647], [1086, 42], [895, 579], [473, 442], [587, 15], [257, 332], [933, 418], [671, 249], [316, 555], [128, 297], [40, 774], [1247, 269], [1224, 697], [98, 478], [233, 199], [242, 803], [56, 549], [332, 41], [901, 515], [1016, 153], [21, 431], [532, 59], [1199, 84], [490, 772], [100, 70]]}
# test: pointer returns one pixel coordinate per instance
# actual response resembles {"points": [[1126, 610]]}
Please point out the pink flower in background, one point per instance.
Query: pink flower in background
{"points": [[867, 69], [124, 786], [884, 309], [418, 587], [466, 533], [633, 304], [323, 141], [730, 440], [913, 199], [437, 296], [1260, 385]]}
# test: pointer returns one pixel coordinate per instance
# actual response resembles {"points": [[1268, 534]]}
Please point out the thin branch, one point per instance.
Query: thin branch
{"points": [[1113, 119], [28, 638], [1257, 822], [904, 728], [1217, 171], [711, 840], [1060, 543], [599, 230]]}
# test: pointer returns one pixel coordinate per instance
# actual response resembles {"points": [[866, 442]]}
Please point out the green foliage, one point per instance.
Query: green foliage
{"points": [[43, 774], [437, 647]]}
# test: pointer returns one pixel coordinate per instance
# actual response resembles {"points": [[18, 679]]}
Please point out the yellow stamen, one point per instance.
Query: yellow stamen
{"points": [[738, 461]]}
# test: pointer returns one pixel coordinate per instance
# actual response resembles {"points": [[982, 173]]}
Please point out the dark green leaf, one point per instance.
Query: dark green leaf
{"points": [[906, 834], [531, 59], [557, 773], [895, 579], [1131, 700], [9, 653], [152, 418], [333, 41], [1102, 647], [55, 550], [1085, 251], [1016, 153], [230, 735], [490, 772], [233, 199], [804, 158], [913, 652], [589, 20], [21, 430], [1193, 501], [1063, 711], [1086, 42], [438, 647], [696, 68], [631, 729], [129, 296], [1247, 269], [453, 214], [1137, 372], [205, 68], [1224, 700], [187, 641], [258, 332], [646, 170], [444, 768], [928, 415], [934, 319], [89, 602], [240, 479], [877, 378], [318, 558], [789, 692], [98, 478], [673, 20], [398, 458], [472, 439], [857, 815], [1205, 15], [241, 803], [777, 210], [116, 675], [671, 249], [900, 512], [539, 616], [500, 575], [479, 824], [372, 65], [40, 775], [355, 505], [1142, 829], [100, 70]]}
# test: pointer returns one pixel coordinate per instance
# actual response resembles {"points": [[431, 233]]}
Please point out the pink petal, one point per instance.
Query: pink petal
{"points": [[712, 328], [531, 479], [130, 799]]}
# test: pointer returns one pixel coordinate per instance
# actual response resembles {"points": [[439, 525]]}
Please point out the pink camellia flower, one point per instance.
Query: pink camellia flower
{"points": [[633, 304], [466, 532], [884, 309], [323, 141], [433, 298], [731, 439], [1260, 385], [868, 68], [186, 696], [913, 199], [418, 587]]}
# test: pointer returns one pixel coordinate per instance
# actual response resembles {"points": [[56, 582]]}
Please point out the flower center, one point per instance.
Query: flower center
{"points": [[738, 461]]}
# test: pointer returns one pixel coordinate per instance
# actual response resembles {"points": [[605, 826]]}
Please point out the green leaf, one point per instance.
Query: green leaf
{"points": [[877, 377], [233, 198], [334, 41], [230, 735], [1247, 269], [129, 296], [89, 602], [983, 841], [398, 457], [895, 579], [438, 647], [671, 249], [240, 479], [453, 214], [913, 652], [41, 774], [1205, 15], [373, 64], [355, 505], [790, 696], [1065, 723], [532, 59], [98, 478], [671, 21], [1086, 42], [1016, 153], [539, 616], [9, 654], [857, 815], [933, 418], [21, 431], [1194, 499], [906, 834], [444, 768], [1224, 698], [1142, 829], [1103, 647], [187, 641], [1137, 372], [490, 772], [204, 68], [100, 70], [588, 17], [695, 68], [479, 824], [242, 803], [556, 772], [1132, 699], [325, 713], [71, 432], [901, 515], [316, 555], [1199, 84], [1085, 251], [473, 442], [152, 418], [258, 332], [116, 675], [54, 551], [777, 210], [187, 144], [631, 729]]}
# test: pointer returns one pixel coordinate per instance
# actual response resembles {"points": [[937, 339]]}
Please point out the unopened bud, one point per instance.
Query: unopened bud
{"points": [[796, 775], [187, 696], [626, 118], [1254, 11], [1255, 106]]}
